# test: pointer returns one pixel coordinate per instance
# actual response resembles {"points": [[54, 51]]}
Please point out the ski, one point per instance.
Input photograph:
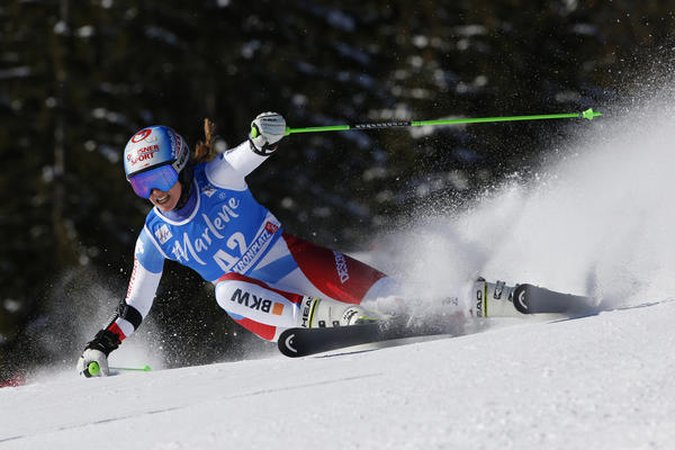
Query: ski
{"points": [[297, 342], [527, 299], [530, 299]]}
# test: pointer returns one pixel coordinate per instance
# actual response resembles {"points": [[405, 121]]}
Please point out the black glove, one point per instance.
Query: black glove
{"points": [[97, 350]]}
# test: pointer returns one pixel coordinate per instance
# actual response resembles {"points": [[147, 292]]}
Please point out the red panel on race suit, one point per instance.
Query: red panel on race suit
{"points": [[333, 273]]}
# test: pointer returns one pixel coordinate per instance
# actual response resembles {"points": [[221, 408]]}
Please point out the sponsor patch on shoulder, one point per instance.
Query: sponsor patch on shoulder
{"points": [[163, 234]]}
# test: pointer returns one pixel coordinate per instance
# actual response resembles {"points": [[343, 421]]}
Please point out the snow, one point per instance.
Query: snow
{"points": [[597, 382], [598, 221]]}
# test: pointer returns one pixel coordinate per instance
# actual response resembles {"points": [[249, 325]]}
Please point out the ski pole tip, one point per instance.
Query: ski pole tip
{"points": [[590, 114]]}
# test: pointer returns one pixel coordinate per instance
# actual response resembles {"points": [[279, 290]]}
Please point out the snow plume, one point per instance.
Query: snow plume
{"points": [[598, 221], [79, 304]]}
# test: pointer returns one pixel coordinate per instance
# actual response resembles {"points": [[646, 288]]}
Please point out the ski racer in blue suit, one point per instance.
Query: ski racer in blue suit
{"points": [[206, 218]]}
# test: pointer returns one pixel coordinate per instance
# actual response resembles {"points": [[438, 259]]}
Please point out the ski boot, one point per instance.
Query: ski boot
{"points": [[325, 312], [492, 299]]}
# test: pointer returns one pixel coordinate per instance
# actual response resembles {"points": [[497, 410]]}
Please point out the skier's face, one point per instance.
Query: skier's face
{"points": [[166, 201]]}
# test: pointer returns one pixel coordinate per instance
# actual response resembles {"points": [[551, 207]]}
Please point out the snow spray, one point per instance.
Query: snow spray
{"points": [[597, 222]]}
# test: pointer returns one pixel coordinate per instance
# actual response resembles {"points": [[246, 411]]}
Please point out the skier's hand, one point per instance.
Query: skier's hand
{"points": [[93, 363], [94, 359], [266, 131]]}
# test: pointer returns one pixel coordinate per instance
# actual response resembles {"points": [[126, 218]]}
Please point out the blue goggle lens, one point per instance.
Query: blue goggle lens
{"points": [[162, 178]]}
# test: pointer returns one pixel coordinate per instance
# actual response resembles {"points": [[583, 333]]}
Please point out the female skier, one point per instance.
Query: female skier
{"points": [[205, 218]]}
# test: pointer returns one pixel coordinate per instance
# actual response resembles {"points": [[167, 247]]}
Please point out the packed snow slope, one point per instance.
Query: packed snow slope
{"points": [[601, 382], [596, 221]]}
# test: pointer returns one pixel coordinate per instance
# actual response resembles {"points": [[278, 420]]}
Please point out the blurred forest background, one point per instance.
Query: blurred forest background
{"points": [[77, 78]]}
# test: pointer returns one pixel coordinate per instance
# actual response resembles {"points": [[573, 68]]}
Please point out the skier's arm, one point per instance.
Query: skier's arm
{"points": [[131, 311], [135, 307], [231, 168]]}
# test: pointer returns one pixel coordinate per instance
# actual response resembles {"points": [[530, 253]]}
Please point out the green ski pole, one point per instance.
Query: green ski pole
{"points": [[588, 114], [94, 368]]}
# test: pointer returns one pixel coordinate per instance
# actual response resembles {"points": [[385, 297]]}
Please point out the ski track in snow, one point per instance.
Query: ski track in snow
{"points": [[598, 222]]}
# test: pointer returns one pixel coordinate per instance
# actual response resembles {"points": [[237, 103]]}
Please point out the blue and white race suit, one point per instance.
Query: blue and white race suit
{"points": [[261, 273]]}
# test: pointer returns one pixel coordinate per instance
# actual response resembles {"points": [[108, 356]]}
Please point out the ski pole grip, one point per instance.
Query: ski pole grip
{"points": [[94, 369]]}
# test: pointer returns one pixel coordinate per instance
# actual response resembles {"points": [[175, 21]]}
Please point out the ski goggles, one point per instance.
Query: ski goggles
{"points": [[161, 178]]}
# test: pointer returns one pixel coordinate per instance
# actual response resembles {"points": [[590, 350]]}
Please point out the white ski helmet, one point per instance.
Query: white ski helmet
{"points": [[154, 158]]}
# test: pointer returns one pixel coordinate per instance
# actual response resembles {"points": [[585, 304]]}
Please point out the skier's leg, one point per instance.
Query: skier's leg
{"points": [[296, 265], [347, 279], [267, 311], [335, 274]]}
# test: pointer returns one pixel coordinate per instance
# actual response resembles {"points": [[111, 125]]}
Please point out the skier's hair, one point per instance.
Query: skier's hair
{"points": [[205, 150]]}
